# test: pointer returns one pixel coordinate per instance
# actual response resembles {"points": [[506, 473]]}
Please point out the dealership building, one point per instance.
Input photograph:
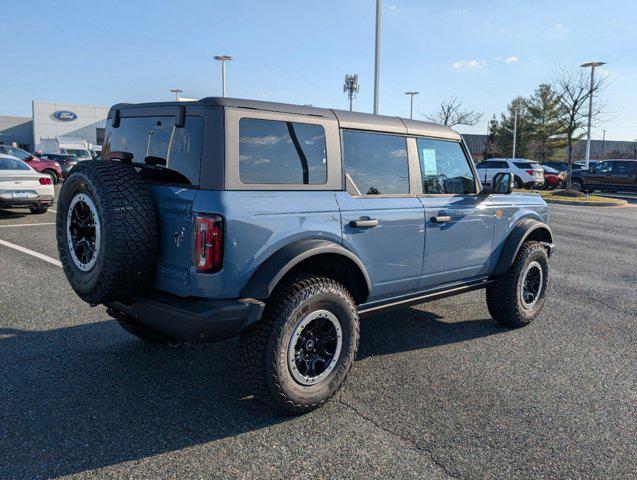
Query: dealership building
{"points": [[54, 120]]}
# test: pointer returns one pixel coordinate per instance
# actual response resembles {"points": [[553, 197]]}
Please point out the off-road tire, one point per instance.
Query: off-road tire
{"points": [[38, 209], [503, 296], [264, 347], [128, 240], [141, 331]]}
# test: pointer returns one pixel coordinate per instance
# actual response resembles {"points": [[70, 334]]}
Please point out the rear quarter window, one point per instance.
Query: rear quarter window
{"points": [[156, 140], [279, 152]]}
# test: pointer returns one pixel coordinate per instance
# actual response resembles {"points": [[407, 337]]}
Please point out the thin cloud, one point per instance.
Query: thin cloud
{"points": [[392, 7], [512, 59], [469, 64]]}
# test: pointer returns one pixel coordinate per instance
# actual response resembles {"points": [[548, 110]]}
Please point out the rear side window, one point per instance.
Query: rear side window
{"points": [[272, 151], [156, 141], [444, 167], [12, 164], [376, 164], [525, 165]]}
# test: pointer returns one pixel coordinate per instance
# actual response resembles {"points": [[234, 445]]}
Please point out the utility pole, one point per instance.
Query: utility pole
{"points": [[377, 59], [177, 93], [603, 143], [223, 59], [592, 65], [351, 87], [411, 103]]}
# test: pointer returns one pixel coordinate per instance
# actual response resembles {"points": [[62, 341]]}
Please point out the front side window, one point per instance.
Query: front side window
{"points": [[604, 167], [376, 164], [156, 141], [482, 165], [444, 167], [272, 152]]}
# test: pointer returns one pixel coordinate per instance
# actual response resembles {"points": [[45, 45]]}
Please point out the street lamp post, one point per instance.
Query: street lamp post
{"points": [[223, 59], [411, 103], [592, 66], [177, 93], [603, 144], [515, 129], [377, 59]]}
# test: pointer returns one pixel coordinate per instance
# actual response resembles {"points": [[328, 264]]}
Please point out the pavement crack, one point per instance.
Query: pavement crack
{"points": [[402, 437]]}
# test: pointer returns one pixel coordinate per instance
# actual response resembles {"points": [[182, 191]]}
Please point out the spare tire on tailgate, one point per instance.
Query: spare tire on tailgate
{"points": [[106, 231]]}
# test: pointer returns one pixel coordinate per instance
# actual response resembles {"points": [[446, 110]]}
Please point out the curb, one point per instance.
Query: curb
{"points": [[617, 203]]}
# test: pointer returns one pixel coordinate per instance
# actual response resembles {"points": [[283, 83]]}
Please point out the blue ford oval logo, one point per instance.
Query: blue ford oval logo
{"points": [[65, 115]]}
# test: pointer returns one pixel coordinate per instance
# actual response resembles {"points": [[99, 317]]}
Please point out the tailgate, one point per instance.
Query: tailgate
{"points": [[175, 237]]}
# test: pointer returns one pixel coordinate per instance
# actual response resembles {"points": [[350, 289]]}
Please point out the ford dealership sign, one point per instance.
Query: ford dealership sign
{"points": [[65, 115]]}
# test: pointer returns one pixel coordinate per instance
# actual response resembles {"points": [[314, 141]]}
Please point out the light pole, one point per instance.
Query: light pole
{"points": [[603, 143], [592, 65], [177, 93], [351, 87], [515, 128], [377, 59], [223, 59], [411, 103]]}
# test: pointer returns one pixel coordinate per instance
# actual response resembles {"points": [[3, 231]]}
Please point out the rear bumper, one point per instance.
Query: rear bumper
{"points": [[26, 202], [196, 320]]}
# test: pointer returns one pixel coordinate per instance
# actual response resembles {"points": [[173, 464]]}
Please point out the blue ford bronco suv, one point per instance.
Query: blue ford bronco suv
{"points": [[283, 225]]}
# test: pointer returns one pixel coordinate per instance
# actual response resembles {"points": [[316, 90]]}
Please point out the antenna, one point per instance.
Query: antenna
{"points": [[351, 87]]}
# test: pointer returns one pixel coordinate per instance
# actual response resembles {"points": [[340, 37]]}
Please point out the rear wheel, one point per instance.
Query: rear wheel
{"points": [[516, 298], [518, 182], [38, 209], [299, 354], [577, 184]]}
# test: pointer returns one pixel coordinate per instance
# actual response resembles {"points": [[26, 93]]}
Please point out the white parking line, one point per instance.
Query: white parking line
{"points": [[27, 225], [46, 258]]}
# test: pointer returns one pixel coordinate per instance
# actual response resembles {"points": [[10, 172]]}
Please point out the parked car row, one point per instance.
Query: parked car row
{"points": [[609, 175], [42, 165], [23, 187]]}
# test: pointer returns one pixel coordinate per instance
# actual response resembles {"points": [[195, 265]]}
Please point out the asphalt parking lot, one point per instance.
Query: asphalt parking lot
{"points": [[438, 390]]}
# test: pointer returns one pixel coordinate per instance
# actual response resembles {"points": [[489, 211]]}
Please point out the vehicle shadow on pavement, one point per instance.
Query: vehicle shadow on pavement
{"points": [[409, 329], [89, 396], [80, 398]]}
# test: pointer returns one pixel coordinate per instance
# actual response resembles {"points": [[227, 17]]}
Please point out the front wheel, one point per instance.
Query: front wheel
{"points": [[300, 352], [577, 185], [516, 298]]}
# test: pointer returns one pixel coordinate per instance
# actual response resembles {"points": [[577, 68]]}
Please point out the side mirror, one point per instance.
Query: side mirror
{"points": [[503, 183]]}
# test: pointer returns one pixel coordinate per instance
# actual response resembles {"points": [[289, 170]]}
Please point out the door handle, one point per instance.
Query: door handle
{"points": [[441, 219], [364, 222]]}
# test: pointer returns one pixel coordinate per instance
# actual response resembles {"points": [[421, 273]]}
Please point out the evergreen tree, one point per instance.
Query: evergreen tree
{"points": [[548, 136], [504, 134], [491, 147]]}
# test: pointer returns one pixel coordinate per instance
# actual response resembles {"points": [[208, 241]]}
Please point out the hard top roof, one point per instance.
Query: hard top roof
{"points": [[346, 119]]}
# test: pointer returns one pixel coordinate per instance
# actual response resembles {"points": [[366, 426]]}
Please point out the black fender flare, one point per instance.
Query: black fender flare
{"points": [[518, 235], [272, 270]]}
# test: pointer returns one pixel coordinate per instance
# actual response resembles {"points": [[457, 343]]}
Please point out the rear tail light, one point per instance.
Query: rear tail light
{"points": [[530, 172], [208, 243], [45, 181]]}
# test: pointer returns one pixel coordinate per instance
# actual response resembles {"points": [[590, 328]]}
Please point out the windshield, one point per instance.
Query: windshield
{"points": [[79, 153], [12, 164]]}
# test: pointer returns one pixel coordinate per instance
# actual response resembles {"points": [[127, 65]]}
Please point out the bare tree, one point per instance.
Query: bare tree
{"points": [[573, 90], [452, 113]]}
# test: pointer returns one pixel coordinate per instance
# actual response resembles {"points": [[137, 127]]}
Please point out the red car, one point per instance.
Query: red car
{"points": [[553, 178], [41, 165]]}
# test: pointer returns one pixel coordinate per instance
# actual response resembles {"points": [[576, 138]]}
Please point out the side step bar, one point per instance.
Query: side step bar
{"points": [[425, 297]]}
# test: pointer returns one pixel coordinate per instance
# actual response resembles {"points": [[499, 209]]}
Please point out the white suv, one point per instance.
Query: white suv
{"points": [[527, 173]]}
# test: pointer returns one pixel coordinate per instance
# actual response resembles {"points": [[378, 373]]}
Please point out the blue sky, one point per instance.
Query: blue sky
{"points": [[484, 52]]}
